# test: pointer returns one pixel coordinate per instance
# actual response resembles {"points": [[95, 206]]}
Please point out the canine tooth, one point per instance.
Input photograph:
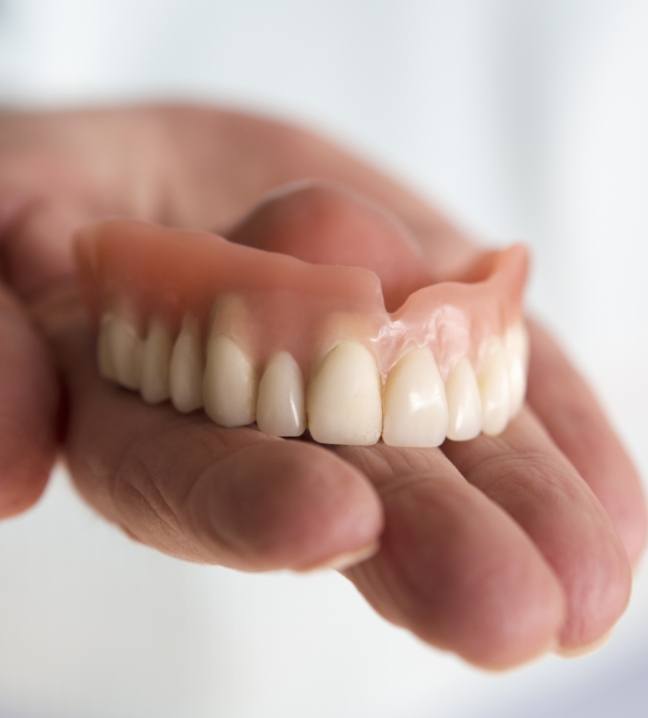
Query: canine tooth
{"points": [[125, 348], [464, 404], [186, 367], [104, 353], [517, 350], [229, 388], [414, 403], [343, 401], [280, 403], [494, 388], [156, 356]]}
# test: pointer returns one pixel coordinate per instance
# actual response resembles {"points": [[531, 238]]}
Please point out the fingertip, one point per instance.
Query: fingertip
{"points": [[459, 573], [519, 618], [598, 595], [287, 504], [27, 455], [631, 524], [28, 411], [22, 486]]}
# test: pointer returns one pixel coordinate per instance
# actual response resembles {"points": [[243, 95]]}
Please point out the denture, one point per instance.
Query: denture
{"points": [[286, 336]]}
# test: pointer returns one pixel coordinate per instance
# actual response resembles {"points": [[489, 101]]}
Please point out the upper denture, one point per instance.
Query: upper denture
{"points": [[192, 316]]}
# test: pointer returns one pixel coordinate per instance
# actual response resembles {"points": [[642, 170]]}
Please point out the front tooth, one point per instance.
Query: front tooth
{"points": [[229, 388], [464, 404], [280, 404], [494, 388], [517, 349], [344, 397], [186, 367], [104, 351], [125, 349], [156, 357], [416, 411]]}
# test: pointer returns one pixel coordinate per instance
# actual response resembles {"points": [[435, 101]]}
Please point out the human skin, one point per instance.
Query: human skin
{"points": [[496, 549]]}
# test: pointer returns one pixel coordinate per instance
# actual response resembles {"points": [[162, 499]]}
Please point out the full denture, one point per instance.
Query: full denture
{"points": [[254, 335]]}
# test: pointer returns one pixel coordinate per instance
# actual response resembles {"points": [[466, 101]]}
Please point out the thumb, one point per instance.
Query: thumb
{"points": [[34, 253], [36, 243]]}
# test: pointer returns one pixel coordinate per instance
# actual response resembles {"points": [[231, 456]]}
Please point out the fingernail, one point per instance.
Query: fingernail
{"points": [[344, 560]]}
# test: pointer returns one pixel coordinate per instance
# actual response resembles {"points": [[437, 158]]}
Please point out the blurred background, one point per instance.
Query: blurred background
{"points": [[524, 120]]}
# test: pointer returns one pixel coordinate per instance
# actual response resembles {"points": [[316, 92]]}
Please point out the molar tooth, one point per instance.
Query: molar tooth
{"points": [[280, 403], [229, 388], [494, 388], [125, 349], [517, 349], [344, 397], [186, 367], [414, 404], [156, 357], [464, 404]]}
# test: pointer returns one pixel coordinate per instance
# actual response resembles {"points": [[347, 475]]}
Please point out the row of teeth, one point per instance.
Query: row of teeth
{"points": [[345, 401]]}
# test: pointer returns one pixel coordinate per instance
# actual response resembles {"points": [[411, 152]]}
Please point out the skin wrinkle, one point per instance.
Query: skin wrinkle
{"points": [[599, 588], [134, 472], [135, 453], [483, 574], [133, 444], [386, 487], [188, 502], [389, 489], [370, 579], [124, 485], [532, 463], [313, 479]]}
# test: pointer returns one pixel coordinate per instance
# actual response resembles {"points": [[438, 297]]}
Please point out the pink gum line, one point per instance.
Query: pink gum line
{"points": [[268, 302]]}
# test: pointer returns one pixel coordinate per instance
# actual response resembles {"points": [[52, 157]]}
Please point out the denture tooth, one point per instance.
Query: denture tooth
{"points": [[186, 367], [156, 357], [125, 349], [464, 404], [104, 352], [517, 350], [343, 401], [414, 402], [229, 388], [494, 388], [280, 403]]}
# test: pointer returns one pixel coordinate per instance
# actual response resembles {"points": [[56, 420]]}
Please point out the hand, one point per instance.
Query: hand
{"points": [[497, 549]]}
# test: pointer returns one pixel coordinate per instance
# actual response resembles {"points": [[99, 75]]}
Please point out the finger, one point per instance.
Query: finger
{"points": [[36, 243], [452, 566], [526, 474], [191, 489], [28, 409], [574, 419]]}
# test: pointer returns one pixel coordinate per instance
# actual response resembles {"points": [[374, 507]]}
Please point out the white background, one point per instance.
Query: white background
{"points": [[525, 120]]}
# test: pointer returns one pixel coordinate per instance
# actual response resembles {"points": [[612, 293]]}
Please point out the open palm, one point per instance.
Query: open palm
{"points": [[497, 548]]}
